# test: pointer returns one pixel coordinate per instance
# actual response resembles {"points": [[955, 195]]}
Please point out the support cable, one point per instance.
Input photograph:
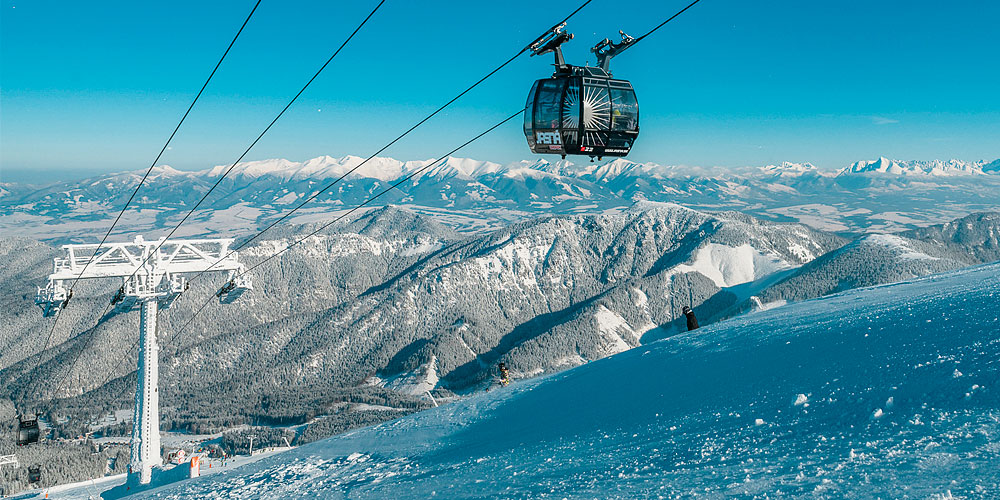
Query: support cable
{"points": [[671, 18], [149, 170], [231, 167], [326, 188], [255, 141], [204, 304], [370, 199], [395, 185], [387, 146]]}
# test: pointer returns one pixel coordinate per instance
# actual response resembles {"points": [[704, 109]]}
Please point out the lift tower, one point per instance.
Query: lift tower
{"points": [[153, 276]]}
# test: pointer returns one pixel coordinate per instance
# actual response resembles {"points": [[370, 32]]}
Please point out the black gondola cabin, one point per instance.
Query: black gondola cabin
{"points": [[585, 113], [35, 474], [581, 110], [27, 430]]}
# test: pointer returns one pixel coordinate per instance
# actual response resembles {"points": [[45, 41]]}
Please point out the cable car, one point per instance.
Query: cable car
{"points": [[237, 285], [27, 429], [581, 110], [34, 474]]}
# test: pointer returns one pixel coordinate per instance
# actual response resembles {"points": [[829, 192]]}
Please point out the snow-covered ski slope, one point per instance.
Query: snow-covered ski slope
{"points": [[891, 392]]}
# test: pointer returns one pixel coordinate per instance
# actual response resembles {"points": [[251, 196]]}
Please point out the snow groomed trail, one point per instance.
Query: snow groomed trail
{"points": [[885, 392]]}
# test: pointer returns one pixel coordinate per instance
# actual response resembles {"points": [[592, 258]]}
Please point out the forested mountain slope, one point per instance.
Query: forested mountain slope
{"points": [[883, 258], [357, 324], [393, 303]]}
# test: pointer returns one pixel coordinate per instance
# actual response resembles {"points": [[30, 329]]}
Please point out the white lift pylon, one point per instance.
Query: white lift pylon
{"points": [[152, 277], [9, 460]]}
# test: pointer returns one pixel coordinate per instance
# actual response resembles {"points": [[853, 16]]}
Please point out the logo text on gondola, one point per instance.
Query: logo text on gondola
{"points": [[547, 138]]}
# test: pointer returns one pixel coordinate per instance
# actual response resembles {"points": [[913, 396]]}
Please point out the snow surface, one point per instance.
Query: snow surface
{"points": [[417, 382], [729, 266], [612, 325], [898, 244], [888, 391]]}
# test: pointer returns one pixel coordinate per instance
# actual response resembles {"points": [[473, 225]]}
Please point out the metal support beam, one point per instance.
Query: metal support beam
{"points": [[9, 460], [146, 422]]}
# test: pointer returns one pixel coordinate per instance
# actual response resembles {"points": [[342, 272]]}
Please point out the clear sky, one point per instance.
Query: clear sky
{"points": [[98, 86]]}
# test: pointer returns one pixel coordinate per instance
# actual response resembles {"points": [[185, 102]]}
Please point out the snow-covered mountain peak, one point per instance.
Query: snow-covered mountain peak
{"points": [[895, 243], [621, 168], [469, 167], [938, 167], [166, 170], [322, 167], [643, 206], [881, 165], [611, 169], [383, 169], [453, 167], [277, 167], [884, 165], [789, 169]]}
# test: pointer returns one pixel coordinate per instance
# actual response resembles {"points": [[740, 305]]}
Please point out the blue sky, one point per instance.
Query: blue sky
{"points": [[98, 86]]}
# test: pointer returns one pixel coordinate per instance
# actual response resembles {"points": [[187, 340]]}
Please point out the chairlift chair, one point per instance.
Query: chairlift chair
{"points": [[35, 474]]}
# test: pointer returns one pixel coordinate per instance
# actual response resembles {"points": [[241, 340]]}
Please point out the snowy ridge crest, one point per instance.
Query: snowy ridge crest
{"points": [[938, 168], [475, 195]]}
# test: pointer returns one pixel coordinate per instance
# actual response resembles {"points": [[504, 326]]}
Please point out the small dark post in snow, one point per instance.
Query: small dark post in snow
{"points": [[691, 320]]}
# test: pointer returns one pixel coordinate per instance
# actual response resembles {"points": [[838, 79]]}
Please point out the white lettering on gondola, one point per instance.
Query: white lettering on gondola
{"points": [[547, 138]]}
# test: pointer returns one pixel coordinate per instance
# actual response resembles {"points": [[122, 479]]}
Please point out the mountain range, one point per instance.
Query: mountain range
{"points": [[471, 195], [437, 308], [875, 259], [428, 298]]}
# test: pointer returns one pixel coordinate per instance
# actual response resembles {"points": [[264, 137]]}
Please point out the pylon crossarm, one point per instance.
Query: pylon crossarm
{"points": [[126, 259], [150, 270]]}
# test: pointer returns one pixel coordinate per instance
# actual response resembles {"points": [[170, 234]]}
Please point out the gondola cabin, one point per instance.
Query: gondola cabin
{"points": [[581, 110], [585, 113], [27, 430]]}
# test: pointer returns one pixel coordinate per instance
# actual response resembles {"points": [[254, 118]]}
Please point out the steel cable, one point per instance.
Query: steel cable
{"points": [[146, 175]]}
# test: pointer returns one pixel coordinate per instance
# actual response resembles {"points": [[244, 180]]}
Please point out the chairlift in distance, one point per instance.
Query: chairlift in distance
{"points": [[34, 474], [235, 287]]}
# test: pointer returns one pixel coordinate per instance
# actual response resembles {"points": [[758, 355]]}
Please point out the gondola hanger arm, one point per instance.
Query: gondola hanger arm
{"points": [[606, 49]]}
